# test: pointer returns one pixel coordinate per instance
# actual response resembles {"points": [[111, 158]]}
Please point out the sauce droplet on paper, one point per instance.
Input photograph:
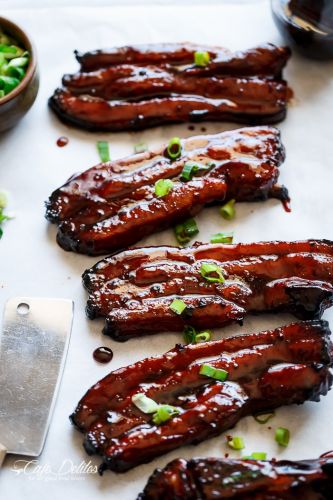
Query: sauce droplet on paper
{"points": [[286, 205], [103, 354], [62, 141]]}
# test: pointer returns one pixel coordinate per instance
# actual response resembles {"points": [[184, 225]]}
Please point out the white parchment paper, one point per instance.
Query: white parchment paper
{"points": [[31, 166]]}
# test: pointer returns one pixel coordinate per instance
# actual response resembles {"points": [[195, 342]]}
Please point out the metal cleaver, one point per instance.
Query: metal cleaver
{"points": [[33, 348]]}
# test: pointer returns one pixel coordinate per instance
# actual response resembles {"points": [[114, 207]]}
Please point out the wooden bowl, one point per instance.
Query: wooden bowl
{"points": [[16, 104]]}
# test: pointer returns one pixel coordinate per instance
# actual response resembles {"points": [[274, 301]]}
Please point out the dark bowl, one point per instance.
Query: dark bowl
{"points": [[16, 104], [307, 25]]}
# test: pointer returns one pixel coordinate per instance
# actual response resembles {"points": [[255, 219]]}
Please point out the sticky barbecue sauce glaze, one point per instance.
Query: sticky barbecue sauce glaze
{"points": [[62, 141], [103, 354]]}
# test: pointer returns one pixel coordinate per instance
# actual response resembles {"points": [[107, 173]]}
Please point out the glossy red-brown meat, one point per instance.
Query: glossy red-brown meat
{"points": [[138, 87], [266, 59], [119, 82], [134, 289], [265, 370], [113, 205], [96, 114], [217, 478]]}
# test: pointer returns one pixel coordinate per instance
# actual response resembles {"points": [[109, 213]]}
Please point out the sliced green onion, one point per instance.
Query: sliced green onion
{"points": [[191, 336], [211, 371], [282, 436], [262, 418], [164, 413], [190, 168], [13, 62], [3, 200], [8, 83], [141, 147], [211, 273], [11, 51], [103, 150], [2, 59], [228, 210], [184, 232], [8, 49], [15, 72], [3, 204], [203, 336], [145, 404], [257, 455], [163, 187], [19, 62], [174, 148], [4, 217], [178, 306], [201, 58], [236, 442], [222, 238], [4, 39]]}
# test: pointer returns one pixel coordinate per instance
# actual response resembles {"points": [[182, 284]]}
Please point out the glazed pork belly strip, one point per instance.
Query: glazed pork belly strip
{"points": [[266, 59], [99, 115], [265, 370], [212, 478], [244, 87], [113, 205], [134, 289], [128, 81]]}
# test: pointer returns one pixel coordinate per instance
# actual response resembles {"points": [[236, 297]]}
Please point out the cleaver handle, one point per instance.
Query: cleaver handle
{"points": [[3, 452]]}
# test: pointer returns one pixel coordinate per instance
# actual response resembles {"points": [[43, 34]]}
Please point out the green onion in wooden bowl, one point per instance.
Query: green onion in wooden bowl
{"points": [[19, 79], [13, 63]]}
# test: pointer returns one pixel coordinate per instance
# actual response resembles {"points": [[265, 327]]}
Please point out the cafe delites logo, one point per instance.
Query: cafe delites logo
{"points": [[67, 470]]}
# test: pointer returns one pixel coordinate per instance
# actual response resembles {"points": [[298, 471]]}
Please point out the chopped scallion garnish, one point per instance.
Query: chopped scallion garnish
{"points": [[262, 418], [184, 232], [191, 336], [145, 404], [201, 58], [236, 442], [222, 238], [141, 147], [256, 455], [211, 273], [211, 371], [163, 187], [228, 210], [190, 168], [282, 436], [3, 217], [174, 148], [178, 306], [3, 200], [13, 63], [203, 336], [164, 413], [8, 83], [103, 150]]}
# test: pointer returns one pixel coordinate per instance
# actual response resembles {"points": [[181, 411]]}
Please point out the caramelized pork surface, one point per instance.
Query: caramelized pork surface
{"points": [[114, 204], [131, 88], [217, 478], [134, 289], [263, 371]]}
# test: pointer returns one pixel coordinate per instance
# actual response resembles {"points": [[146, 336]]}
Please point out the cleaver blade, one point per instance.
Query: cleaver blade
{"points": [[33, 348]]}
